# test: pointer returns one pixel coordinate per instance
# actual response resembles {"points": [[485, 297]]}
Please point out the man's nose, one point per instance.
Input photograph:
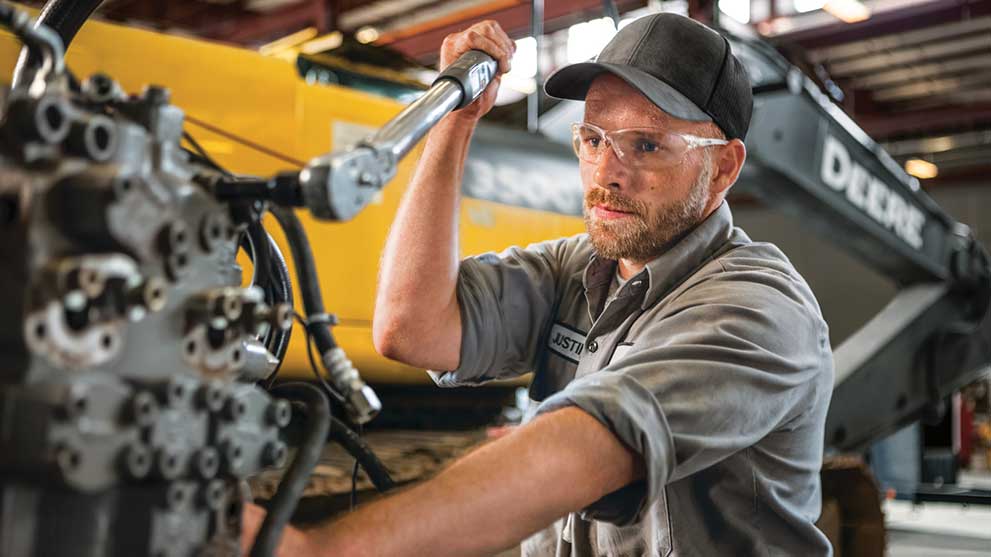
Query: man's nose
{"points": [[610, 172]]}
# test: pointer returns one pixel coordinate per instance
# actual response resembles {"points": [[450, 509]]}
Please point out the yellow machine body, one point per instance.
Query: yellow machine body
{"points": [[255, 115]]}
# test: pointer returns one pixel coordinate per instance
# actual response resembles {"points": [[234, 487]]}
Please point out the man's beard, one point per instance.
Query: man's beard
{"points": [[641, 236]]}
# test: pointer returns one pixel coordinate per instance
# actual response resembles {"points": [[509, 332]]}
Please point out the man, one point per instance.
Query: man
{"points": [[682, 372]]}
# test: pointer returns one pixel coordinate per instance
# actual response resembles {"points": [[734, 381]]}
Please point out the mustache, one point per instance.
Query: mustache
{"points": [[600, 196]]}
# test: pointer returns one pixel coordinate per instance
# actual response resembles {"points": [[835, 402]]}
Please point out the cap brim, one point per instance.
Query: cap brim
{"points": [[572, 82]]}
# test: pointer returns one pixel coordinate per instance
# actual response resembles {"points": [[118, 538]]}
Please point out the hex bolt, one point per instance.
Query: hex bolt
{"points": [[124, 185], [233, 458], [279, 413], [156, 95], [92, 282], [274, 454], [75, 403], [144, 409], [228, 306], [214, 231], [173, 244], [168, 464], [177, 264], [213, 494], [45, 119], [281, 317], [207, 462], [235, 408], [137, 461], [94, 137], [68, 458], [152, 293], [100, 88], [175, 496], [211, 396], [175, 393]]}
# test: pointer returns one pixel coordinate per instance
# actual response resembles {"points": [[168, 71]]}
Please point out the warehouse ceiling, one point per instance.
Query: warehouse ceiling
{"points": [[918, 79], [916, 74]]}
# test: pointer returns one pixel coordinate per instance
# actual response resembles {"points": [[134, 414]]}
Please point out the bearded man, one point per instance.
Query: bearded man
{"points": [[682, 372]]}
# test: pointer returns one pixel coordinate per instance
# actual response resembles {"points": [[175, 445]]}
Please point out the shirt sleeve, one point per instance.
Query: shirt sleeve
{"points": [[737, 356], [505, 300]]}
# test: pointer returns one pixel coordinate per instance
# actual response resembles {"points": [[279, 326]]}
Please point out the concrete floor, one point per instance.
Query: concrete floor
{"points": [[937, 529]]}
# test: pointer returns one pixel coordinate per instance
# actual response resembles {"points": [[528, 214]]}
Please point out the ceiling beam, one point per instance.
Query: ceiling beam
{"points": [[258, 27], [902, 20], [880, 126], [515, 19]]}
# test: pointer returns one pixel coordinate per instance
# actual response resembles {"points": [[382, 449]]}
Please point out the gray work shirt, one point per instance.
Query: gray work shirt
{"points": [[713, 363]]}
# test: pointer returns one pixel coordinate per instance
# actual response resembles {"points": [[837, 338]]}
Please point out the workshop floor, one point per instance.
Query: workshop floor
{"points": [[940, 529], [937, 530]]}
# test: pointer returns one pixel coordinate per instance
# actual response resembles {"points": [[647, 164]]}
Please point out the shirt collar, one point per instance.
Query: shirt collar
{"points": [[673, 266]]}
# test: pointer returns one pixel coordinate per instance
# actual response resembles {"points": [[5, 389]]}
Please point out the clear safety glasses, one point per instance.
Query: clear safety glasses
{"points": [[645, 148]]}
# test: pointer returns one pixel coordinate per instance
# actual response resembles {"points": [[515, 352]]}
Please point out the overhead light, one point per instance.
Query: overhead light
{"points": [[585, 40], [736, 9], [367, 35], [848, 11], [921, 169], [278, 45], [524, 62], [330, 41], [802, 6]]}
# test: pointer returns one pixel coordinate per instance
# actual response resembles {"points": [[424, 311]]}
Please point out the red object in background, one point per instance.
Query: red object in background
{"points": [[963, 413]]}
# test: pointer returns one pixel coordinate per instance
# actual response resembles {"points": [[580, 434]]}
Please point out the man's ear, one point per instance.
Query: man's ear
{"points": [[728, 163]]}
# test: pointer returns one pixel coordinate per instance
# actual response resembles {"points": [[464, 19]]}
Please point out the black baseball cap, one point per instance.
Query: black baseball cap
{"points": [[685, 68]]}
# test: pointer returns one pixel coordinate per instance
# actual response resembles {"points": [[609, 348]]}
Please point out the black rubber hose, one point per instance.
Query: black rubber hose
{"points": [[356, 447], [278, 344], [65, 17], [307, 456], [306, 275], [262, 255]]}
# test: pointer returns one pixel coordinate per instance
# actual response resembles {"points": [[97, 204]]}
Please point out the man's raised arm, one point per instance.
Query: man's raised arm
{"points": [[417, 319]]}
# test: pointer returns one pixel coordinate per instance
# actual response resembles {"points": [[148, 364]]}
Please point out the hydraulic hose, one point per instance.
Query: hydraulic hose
{"points": [[356, 447], [271, 275], [65, 17], [306, 273], [307, 456], [261, 255], [278, 344], [361, 402]]}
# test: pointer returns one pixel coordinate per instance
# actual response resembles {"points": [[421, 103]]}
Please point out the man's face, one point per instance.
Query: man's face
{"points": [[632, 213]]}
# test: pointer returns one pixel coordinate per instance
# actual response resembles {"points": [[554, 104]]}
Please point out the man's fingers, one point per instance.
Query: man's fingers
{"points": [[474, 40], [499, 34], [486, 36], [251, 521]]}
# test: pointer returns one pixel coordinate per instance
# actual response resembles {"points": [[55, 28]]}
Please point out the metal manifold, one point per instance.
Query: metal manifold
{"points": [[129, 352], [135, 369]]}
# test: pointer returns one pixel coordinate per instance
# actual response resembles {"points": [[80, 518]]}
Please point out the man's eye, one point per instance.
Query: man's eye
{"points": [[645, 146], [593, 140]]}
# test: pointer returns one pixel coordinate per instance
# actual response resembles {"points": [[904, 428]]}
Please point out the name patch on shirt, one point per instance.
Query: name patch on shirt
{"points": [[566, 342]]}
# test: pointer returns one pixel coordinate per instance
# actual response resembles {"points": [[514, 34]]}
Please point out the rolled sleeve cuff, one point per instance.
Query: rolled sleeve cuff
{"points": [[475, 358], [635, 417]]}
